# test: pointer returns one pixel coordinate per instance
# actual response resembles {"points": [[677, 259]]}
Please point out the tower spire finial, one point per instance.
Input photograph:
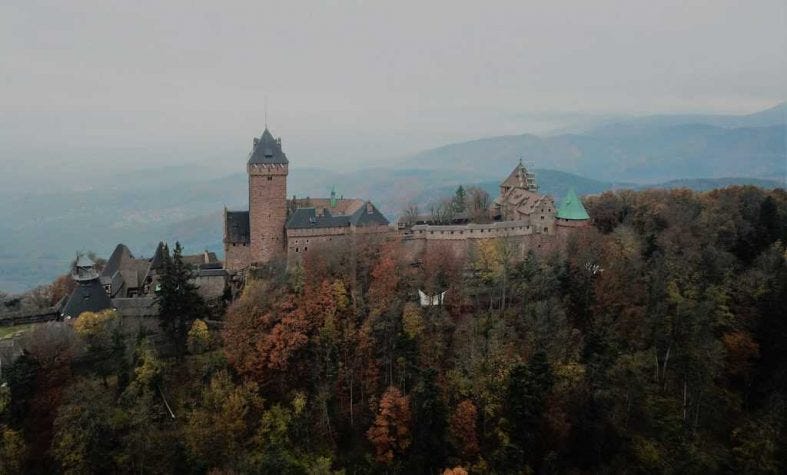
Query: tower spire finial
{"points": [[266, 111]]}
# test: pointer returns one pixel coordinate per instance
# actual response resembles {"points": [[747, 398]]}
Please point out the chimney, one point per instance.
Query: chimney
{"points": [[256, 141]]}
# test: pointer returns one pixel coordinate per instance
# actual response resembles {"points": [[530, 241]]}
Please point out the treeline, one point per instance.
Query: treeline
{"points": [[656, 343]]}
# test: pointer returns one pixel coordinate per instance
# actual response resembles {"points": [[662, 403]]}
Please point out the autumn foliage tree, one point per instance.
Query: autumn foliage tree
{"points": [[653, 342], [390, 432], [463, 425]]}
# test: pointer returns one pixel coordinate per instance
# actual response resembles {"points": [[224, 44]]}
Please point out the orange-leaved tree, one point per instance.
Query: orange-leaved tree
{"points": [[463, 428], [390, 432]]}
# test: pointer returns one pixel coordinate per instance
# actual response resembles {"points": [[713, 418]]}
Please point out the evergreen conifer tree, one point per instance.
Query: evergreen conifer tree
{"points": [[528, 387], [178, 300], [458, 203], [430, 415]]}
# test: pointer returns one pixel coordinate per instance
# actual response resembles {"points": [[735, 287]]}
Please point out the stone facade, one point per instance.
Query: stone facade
{"points": [[236, 255], [275, 227], [462, 239], [267, 210], [299, 241], [524, 218]]}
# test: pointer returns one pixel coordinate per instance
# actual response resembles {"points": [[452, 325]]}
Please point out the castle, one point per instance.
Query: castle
{"points": [[275, 227], [527, 219]]}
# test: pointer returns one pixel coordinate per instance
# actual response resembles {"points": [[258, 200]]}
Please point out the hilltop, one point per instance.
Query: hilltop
{"points": [[40, 230]]}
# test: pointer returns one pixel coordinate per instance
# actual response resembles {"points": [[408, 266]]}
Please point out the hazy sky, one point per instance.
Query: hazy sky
{"points": [[154, 81]]}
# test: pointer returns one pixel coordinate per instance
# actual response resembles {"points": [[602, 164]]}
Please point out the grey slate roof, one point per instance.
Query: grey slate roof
{"points": [[120, 255], [368, 215], [267, 150], [307, 218], [123, 272], [237, 227], [86, 297]]}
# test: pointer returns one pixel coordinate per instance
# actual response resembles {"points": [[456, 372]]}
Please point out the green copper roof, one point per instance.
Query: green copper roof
{"points": [[571, 207]]}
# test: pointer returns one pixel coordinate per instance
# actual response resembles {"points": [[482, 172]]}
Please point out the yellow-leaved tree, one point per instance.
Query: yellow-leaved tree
{"points": [[198, 339]]}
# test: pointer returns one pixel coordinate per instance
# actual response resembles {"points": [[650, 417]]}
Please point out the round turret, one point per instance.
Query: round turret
{"points": [[84, 270]]}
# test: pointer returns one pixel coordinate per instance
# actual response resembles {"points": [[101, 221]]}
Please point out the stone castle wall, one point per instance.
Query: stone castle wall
{"points": [[136, 306], [210, 283], [267, 211], [236, 256], [463, 232], [549, 236], [299, 241], [565, 229]]}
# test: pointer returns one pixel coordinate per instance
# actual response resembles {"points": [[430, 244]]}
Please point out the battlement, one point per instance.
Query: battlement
{"points": [[267, 169], [476, 231]]}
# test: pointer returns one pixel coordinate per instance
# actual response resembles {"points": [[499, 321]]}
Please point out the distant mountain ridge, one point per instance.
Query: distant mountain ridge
{"points": [[652, 154], [641, 149], [776, 115]]}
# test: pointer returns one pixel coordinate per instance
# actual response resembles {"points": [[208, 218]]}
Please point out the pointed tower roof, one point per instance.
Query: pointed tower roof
{"points": [[157, 261], [86, 297], [84, 261], [267, 150], [119, 257], [571, 207], [520, 178]]}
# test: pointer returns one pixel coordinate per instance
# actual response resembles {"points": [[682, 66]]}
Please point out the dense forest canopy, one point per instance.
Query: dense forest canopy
{"points": [[656, 343]]}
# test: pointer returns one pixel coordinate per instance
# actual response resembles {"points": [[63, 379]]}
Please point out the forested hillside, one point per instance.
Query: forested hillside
{"points": [[656, 344]]}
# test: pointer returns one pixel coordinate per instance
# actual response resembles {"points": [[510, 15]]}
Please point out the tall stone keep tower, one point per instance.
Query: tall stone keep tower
{"points": [[267, 170]]}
